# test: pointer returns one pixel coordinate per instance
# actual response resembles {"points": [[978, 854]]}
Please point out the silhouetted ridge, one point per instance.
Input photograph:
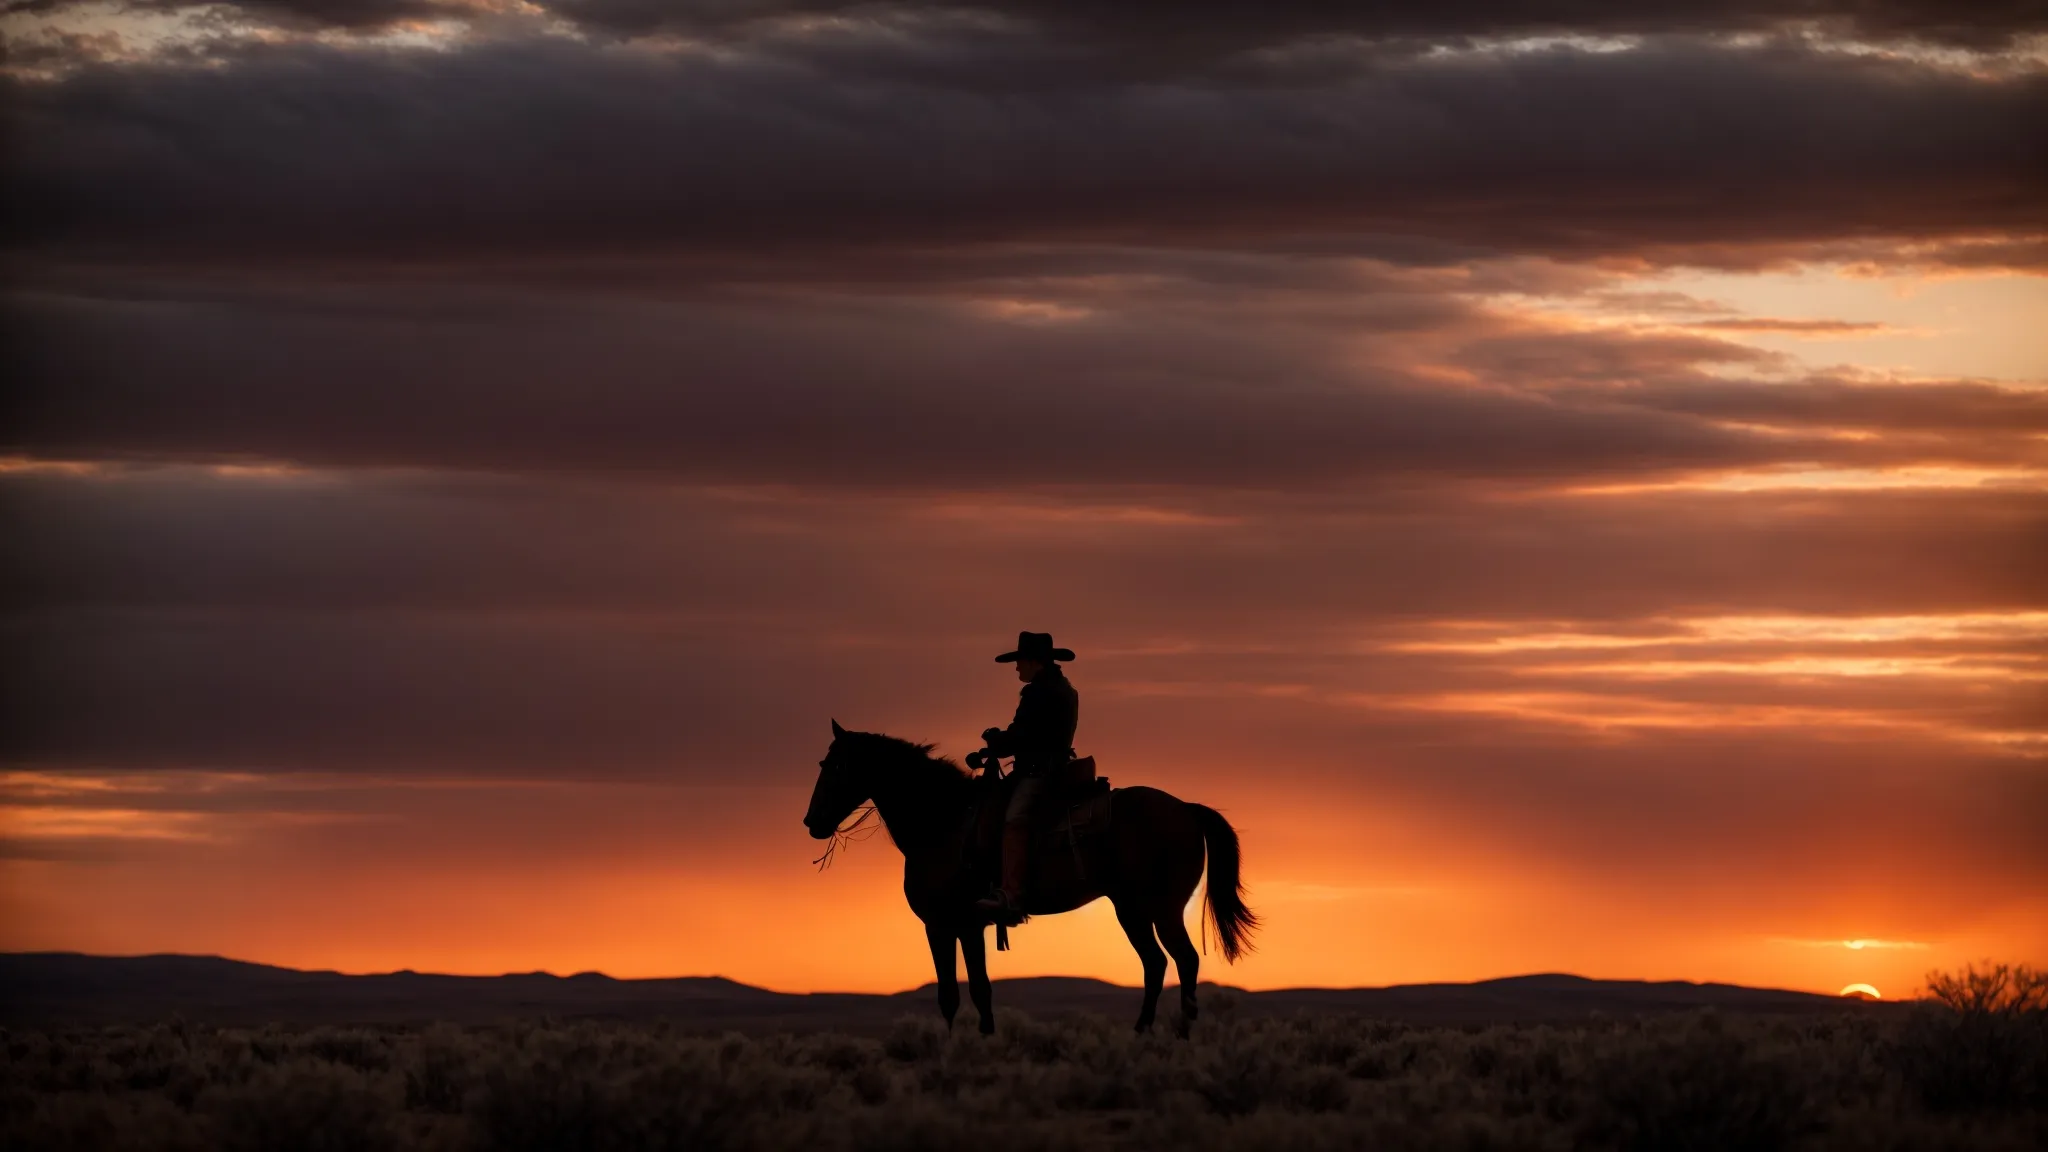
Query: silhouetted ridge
{"points": [[46, 988]]}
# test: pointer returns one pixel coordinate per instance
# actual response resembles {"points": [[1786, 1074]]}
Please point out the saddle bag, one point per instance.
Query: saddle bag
{"points": [[1075, 781]]}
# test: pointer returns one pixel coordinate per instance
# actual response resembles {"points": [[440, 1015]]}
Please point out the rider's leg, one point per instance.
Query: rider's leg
{"points": [[1017, 842], [1016, 855]]}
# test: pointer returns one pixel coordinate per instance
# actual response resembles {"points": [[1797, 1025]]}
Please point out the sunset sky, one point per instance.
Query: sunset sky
{"points": [[1568, 479]]}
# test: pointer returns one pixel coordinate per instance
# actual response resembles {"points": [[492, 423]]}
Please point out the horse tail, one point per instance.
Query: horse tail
{"points": [[1225, 893]]}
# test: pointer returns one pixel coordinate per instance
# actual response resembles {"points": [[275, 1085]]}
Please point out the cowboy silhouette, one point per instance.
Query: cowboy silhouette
{"points": [[1041, 738], [1146, 850]]}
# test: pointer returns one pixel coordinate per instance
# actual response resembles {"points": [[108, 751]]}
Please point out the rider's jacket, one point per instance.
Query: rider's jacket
{"points": [[1042, 734]]}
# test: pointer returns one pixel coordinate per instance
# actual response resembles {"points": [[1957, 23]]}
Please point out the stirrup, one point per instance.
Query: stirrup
{"points": [[1001, 908]]}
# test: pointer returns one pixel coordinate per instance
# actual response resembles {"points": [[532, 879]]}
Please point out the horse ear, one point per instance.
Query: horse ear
{"points": [[837, 731]]}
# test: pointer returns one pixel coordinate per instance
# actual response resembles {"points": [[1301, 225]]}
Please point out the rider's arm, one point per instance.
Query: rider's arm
{"points": [[1003, 741], [999, 741]]}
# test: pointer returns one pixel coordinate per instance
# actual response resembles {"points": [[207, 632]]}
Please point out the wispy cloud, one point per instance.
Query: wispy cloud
{"points": [[2015, 667], [43, 807], [1794, 479], [43, 822], [1810, 329], [1509, 636]]}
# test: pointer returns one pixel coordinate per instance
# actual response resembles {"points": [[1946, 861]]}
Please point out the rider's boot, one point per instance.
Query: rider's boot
{"points": [[1007, 904]]}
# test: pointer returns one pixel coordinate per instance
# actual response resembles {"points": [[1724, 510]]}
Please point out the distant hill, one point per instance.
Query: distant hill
{"points": [[68, 989]]}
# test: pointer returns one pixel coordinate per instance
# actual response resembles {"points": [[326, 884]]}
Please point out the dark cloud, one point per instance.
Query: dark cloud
{"points": [[1217, 27], [418, 626], [1273, 374], [1184, 385], [349, 14], [511, 149], [1928, 420], [353, 15], [1126, 564], [1985, 410], [1318, 378]]}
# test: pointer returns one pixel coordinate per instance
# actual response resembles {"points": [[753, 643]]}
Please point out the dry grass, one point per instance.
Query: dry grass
{"points": [[1962, 1071]]}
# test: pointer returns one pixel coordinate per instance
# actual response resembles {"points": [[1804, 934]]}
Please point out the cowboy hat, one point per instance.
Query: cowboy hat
{"points": [[1035, 646]]}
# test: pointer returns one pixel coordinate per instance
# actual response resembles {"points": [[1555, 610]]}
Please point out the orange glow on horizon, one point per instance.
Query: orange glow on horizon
{"points": [[1413, 903]]}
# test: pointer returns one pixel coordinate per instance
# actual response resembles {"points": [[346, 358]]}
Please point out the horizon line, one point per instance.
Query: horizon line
{"points": [[586, 973]]}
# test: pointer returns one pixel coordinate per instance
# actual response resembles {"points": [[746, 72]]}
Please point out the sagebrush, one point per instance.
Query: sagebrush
{"points": [[1861, 1080]]}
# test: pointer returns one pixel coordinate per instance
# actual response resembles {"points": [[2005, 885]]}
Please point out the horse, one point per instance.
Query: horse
{"points": [[1150, 858]]}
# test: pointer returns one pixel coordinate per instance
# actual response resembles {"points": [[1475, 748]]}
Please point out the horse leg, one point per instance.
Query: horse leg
{"points": [[975, 949], [1139, 929], [941, 940], [1174, 934]]}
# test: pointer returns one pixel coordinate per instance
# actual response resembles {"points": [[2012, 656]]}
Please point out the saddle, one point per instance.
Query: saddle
{"points": [[1072, 815]]}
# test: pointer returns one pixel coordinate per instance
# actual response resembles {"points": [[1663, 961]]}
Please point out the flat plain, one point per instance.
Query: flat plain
{"points": [[1623, 1067]]}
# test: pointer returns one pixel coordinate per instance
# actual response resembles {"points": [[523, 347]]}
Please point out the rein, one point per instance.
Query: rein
{"points": [[859, 828]]}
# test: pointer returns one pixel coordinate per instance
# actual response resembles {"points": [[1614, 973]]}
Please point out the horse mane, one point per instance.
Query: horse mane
{"points": [[926, 770], [927, 791]]}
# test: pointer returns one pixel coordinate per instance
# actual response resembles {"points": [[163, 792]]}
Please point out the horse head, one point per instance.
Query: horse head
{"points": [[842, 786]]}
